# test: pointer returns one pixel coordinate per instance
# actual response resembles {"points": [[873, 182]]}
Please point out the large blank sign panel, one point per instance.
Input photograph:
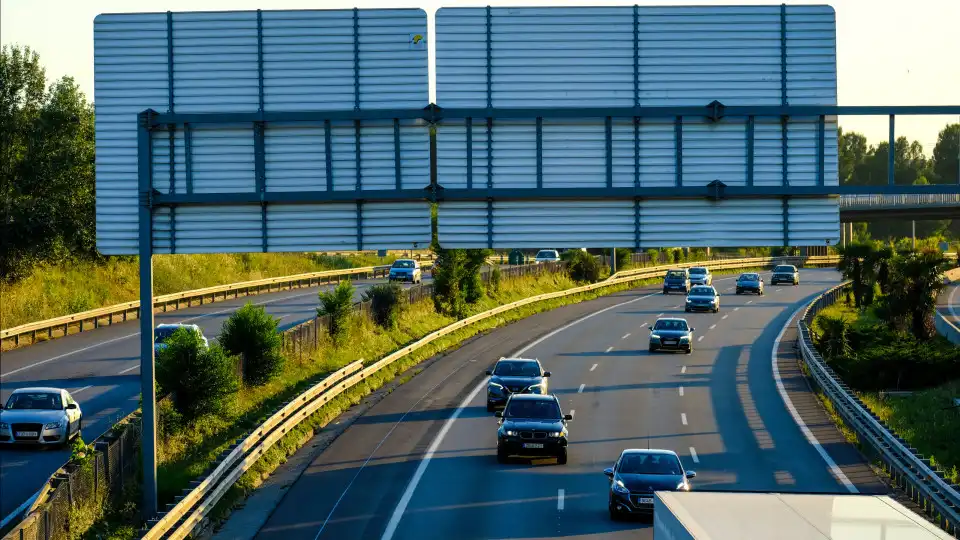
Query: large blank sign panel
{"points": [[271, 61], [636, 57]]}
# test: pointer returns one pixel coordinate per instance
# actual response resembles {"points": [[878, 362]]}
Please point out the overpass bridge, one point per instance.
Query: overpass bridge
{"points": [[914, 206]]}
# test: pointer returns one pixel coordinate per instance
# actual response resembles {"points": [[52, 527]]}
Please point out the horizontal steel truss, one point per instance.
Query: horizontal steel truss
{"points": [[150, 120]]}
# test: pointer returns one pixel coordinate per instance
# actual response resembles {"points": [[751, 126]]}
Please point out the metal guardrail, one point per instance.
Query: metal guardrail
{"points": [[853, 202], [61, 326], [910, 471], [180, 519]]}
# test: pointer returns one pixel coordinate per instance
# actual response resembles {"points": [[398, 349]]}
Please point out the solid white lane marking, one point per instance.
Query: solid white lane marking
{"points": [[625, 336], [724, 317], [593, 367], [560, 494], [609, 349], [129, 369], [700, 338], [683, 418], [401, 507], [837, 472], [681, 391], [683, 369], [580, 391], [712, 326], [78, 390], [693, 455]]}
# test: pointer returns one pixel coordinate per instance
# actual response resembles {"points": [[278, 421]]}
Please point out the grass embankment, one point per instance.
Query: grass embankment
{"points": [[57, 290], [925, 418]]}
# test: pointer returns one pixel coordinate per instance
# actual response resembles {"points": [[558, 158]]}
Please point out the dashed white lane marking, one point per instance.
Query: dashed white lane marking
{"points": [[625, 336], [560, 494], [693, 455], [609, 349], [749, 301], [736, 309], [660, 315], [778, 290], [580, 390], [700, 338], [712, 326], [681, 390], [683, 369], [78, 390], [572, 411], [641, 326], [831, 464], [678, 307], [129, 369], [593, 367], [724, 317], [683, 418]]}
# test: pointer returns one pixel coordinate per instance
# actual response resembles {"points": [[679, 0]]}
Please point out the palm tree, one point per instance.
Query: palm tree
{"points": [[883, 257], [857, 263], [916, 280], [832, 339]]}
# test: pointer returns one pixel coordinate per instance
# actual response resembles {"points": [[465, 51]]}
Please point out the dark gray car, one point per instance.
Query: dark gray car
{"points": [[514, 376], [671, 335]]}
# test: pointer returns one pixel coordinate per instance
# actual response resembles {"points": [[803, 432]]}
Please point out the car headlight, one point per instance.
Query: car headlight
{"points": [[4, 425], [53, 425], [683, 486], [655, 336], [619, 487], [689, 301], [684, 339], [510, 433], [556, 434]]}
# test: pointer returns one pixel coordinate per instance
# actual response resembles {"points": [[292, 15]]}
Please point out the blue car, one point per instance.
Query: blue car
{"points": [[676, 280]]}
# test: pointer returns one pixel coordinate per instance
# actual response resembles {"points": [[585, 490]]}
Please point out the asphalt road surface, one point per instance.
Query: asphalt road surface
{"points": [[949, 304], [420, 464], [101, 369]]}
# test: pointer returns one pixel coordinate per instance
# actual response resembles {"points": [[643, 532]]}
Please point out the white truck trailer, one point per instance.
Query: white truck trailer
{"points": [[708, 515]]}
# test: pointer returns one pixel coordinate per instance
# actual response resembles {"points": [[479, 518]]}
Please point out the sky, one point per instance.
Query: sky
{"points": [[889, 52]]}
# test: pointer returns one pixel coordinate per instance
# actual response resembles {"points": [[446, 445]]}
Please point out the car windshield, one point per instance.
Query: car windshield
{"points": [[533, 408], [785, 269], [649, 464], [676, 274], [671, 325], [749, 277], [701, 291], [35, 401], [517, 369], [403, 264], [698, 270], [546, 254]]}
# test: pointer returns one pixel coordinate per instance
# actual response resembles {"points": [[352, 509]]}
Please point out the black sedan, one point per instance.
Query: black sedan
{"points": [[532, 425], [637, 474], [750, 283], [671, 334], [514, 376]]}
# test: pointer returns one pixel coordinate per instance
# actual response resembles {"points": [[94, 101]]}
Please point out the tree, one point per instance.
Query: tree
{"points": [[386, 303], [456, 280], [857, 264], [46, 167], [946, 169], [915, 282], [338, 306], [884, 255], [852, 148], [200, 380], [582, 266], [252, 334]]}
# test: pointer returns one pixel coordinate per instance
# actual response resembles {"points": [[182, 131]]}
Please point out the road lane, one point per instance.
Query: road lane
{"points": [[105, 364], [737, 428]]}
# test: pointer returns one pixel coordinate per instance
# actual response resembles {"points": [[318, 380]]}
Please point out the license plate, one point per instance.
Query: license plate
{"points": [[27, 434], [645, 500], [669, 342], [533, 445]]}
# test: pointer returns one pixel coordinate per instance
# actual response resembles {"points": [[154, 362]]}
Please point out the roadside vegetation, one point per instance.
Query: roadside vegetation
{"points": [[881, 338]]}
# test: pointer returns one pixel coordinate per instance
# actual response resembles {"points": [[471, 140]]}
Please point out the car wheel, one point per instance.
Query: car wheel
{"points": [[501, 456], [686, 310], [562, 457], [614, 515], [690, 350], [665, 291]]}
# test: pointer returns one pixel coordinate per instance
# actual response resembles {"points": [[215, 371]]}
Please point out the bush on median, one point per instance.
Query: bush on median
{"points": [[338, 306], [251, 333], [582, 266], [199, 380], [386, 303]]}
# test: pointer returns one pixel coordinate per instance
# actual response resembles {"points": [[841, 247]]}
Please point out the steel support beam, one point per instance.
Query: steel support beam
{"points": [[892, 152]]}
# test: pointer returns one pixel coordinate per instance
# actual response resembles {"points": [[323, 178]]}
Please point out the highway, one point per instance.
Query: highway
{"points": [[948, 304], [101, 369], [420, 463]]}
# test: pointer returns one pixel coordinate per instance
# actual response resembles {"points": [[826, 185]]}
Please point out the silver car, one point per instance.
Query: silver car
{"points": [[702, 298], [700, 275], [785, 273], [40, 416], [405, 270], [547, 255], [164, 331]]}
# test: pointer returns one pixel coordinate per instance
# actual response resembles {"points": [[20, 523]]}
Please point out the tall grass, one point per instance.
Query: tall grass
{"points": [[56, 290]]}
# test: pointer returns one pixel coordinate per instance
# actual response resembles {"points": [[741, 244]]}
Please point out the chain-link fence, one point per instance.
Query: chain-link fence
{"points": [[77, 493]]}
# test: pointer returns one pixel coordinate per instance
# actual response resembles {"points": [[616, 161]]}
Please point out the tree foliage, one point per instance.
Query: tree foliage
{"points": [[386, 303], [252, 334], [582, 266], [338, 306], [456, 280], [916, 280], [46, 167], [200, 380]]}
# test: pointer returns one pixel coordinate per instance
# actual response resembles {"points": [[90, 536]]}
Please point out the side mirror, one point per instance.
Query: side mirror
{"points": [[489, 372], [691, 474], [568, 417], [71, 406], [546, 373], [651, 329], [608, 472], [498, 414], [693, 329]]}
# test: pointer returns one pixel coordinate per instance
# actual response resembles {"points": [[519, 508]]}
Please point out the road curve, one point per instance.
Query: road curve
{"points": [[421, 462], [101, 369]]}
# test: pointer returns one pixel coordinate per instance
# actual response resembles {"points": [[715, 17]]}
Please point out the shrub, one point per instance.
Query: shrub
{"points": [[496, 276], [582, 266], [624, 258], [251, 333], [832, 340], [386, 303], [677, 255], [338, 306], [473, 289], [654, 255], [456, 280], [199, 380]]}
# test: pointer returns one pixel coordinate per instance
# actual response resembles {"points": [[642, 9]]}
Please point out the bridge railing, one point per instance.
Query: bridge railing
{"points": [[910, 471], [853, 202]]}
